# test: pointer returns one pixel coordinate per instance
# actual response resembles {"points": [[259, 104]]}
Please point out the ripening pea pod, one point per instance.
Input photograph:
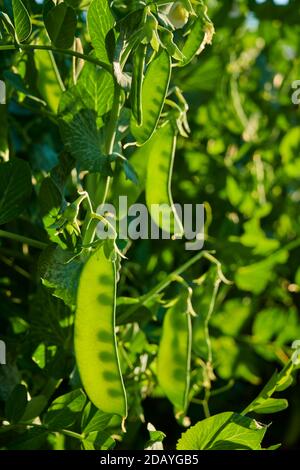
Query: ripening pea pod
{"points": [[174, 353], [95, 338], [137, 82], [154, 91], [201, 34], [159, 178]]}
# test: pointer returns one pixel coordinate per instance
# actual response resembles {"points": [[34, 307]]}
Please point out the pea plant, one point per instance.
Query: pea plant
{"points": [[95, 111]]}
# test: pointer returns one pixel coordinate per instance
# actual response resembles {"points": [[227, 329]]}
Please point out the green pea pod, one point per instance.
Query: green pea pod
{"points": [[95, 340], [174, 354], [137, 82], [193, 43], [155, 87], [158, 181]]}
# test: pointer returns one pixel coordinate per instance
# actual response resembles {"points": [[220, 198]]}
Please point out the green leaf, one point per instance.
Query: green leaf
{"points": [[276, 382], [35, 407], [98, 441], [49, 82], [64, 410], [32, 439], [22, 20], [94, 419], [271, 405], [100, 22], [16, 404], [15, 189], [255, 277], [6, 21], [93, 91], [225, 431], [61, 25], [156, 438], [85, 142], [18, 84], [61, 274]]}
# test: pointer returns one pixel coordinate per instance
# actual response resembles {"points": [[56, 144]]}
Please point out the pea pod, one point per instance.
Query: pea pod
{"points": [[155, 87], [200, 35], [174, 354], [137, 82], [159, 177], [95, 340]]}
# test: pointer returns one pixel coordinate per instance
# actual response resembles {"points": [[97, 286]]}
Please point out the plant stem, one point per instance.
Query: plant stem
{"points": [[21, 239], [73, 434], [70, 52], [66, 432], [205, 404], [145, 299], [111, 131], [208, 317]]}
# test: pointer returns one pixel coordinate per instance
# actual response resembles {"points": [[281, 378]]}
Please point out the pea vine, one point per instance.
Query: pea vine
{"points": [[103, 76]]}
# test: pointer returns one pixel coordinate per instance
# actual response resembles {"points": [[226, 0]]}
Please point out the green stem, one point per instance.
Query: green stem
{"points": [[66, 432], [205, 404], [79, 55], [170, 278], [111, 131], [207, 320], [284, 373], [21, 239], [146, 299], [73, 434]]}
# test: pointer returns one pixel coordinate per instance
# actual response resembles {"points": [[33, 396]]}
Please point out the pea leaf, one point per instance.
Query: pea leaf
{"points": [[18, 84], [30, 440], [22, 20], [271, 405], [64, 410], [15, 188], [98, 441], [85, 142], [61, 24], [93, 91], [61, 274], [276, 382], [94, 419], [255, 277], [156, 438], [100, 22], [49, 82], [16, 404], [224, 431]]}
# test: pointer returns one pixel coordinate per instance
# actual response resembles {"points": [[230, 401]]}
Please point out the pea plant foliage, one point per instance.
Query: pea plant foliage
{"points": [[96, 328]]}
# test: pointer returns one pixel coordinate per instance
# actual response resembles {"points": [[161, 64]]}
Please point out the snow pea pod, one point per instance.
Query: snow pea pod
{"points": [[95, 339], [155, 87], [174, 354], [159, 178], [137, 82], [201, 34]]}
